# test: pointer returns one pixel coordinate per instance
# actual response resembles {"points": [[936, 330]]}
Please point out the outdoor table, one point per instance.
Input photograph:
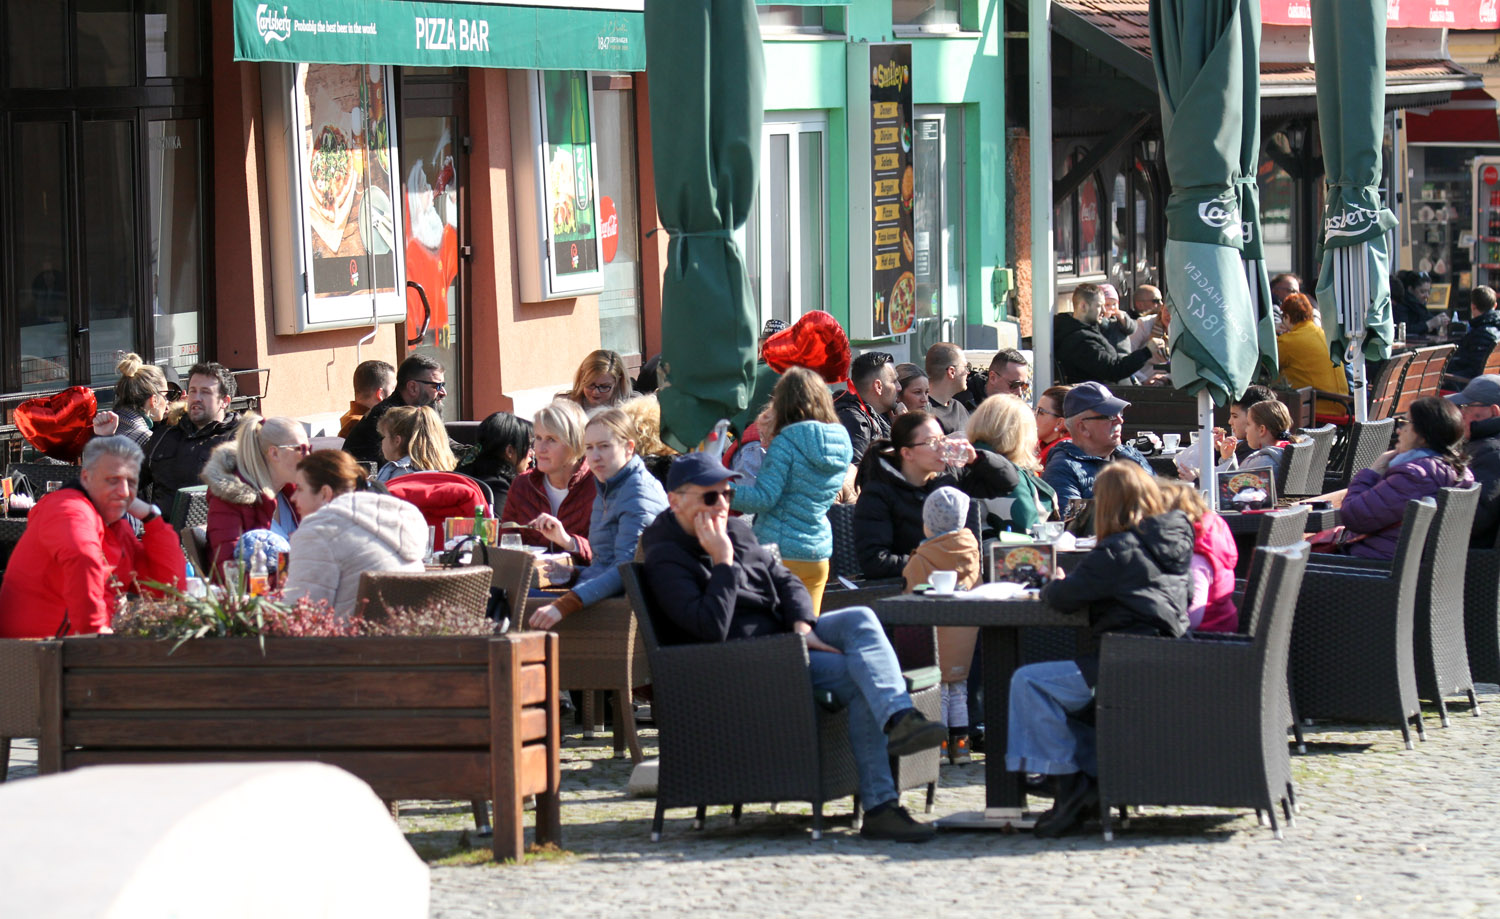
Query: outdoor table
{"points": [[1249, 524], [1000, 623]]}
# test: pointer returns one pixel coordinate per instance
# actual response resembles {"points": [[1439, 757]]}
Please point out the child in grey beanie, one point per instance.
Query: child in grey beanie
{"points": [[944, 511]]}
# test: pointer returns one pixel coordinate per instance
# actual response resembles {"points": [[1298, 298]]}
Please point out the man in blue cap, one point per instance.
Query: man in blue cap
{"points": [[1095, 418], [710, 581]]}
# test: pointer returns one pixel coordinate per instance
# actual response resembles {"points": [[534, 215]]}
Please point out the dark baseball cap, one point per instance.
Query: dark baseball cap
{"points": [[697, 469], [1092, 397], [1482, 390]]}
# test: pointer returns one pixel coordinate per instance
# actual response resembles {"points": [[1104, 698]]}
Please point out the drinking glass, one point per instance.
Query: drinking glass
{"points": [[234, 577], [510, 540], [53, 486]]}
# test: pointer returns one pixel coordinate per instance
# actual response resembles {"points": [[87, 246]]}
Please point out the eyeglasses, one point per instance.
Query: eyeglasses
{"points": [[1042, 411], [171, 393], [711, 498], [438, 385], [601, 388], [1116, 417], [302, 449], [931, 442], [1400, 423]]}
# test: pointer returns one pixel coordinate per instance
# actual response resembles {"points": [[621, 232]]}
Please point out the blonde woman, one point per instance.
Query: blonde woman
{"points": [[645, 412], [804, 468], [1005, 425], [629, 498], [412, 439], [1136, 580], [556, 496], [601, 381], [141, 398], [250, 481]]}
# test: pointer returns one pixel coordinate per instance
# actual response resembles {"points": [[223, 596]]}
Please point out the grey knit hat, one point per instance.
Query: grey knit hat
{"points": [[945, 510]]}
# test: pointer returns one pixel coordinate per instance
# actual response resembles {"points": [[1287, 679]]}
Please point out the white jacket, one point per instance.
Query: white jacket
{"points": [[352, 534]]}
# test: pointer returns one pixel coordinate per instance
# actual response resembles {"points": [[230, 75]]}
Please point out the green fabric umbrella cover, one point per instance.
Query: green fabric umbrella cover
{"points": [[1354, 288], [1256, 278], [706, 75], [1198, 51]]}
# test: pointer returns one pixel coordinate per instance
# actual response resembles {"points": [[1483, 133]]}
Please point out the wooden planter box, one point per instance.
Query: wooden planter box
{"points": [[437, 718]]}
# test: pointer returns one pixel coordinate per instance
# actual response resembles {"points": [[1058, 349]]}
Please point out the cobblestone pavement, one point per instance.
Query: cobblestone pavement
{"points": [[1382, 831]]}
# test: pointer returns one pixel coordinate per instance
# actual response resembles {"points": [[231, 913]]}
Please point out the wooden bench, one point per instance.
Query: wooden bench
{"points": [[465, 718]]}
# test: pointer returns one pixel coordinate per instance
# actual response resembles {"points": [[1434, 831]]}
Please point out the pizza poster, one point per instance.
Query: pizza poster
{"points": [[350, 217], [893, 187], [567, 126]]}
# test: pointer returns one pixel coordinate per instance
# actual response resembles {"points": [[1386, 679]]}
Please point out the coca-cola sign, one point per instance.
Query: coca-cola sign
{"points": [[609, 227]]}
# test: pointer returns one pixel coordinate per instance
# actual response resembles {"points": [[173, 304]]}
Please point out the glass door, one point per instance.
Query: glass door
{"points": [[937, 218], [433, 143], [786, 236]]}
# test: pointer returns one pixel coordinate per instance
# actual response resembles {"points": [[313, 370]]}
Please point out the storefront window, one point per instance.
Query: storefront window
{"points": [[790, 18], [176, 226], [925, 12], [1276, 194], [106, 43], [107, 170], [619, 210], [937, 227], [172, 32], [39, 61], [785, 235], [43, 278], [1091, 230]]}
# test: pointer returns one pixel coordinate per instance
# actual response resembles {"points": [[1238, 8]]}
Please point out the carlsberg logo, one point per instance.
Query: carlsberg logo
{"points": [[1216, 215], [271, 25]]}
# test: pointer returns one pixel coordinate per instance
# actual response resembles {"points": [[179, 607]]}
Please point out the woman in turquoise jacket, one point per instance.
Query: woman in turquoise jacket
{"points": [[1005, 425], [806, 462]]}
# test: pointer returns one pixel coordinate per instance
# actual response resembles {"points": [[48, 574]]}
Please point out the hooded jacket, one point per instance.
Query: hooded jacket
{"points": [[1213, 541], [1484, 462], [352, 534], [528, 497], [888, 515], [799, 478], [176, 455], [1376, 504], [1136, 581], [60, 572], [1085, 355], [957, 551], [1475, 347], [624, 506], [235, 506]]}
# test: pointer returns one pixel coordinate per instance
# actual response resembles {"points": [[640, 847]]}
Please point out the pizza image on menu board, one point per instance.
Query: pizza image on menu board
{"points": [[331, 169], [903, 303]]}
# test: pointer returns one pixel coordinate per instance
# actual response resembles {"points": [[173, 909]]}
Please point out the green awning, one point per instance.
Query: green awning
{"points": [[436, 34]]}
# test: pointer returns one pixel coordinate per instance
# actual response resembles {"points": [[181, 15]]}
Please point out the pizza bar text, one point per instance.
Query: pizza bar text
{"points": [[438, 34]]}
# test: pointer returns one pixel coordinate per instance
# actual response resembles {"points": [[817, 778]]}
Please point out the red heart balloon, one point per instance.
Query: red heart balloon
{"points": [[816, 341], [61, 424]]}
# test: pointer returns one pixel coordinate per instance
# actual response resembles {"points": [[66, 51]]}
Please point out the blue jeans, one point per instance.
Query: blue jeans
{"points": [[867, 679], [1042, 738]]}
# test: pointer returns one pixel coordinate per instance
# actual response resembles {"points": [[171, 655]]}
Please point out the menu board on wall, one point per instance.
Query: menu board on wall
{"points": [[882, 191], [337, 259], [570, 171]]}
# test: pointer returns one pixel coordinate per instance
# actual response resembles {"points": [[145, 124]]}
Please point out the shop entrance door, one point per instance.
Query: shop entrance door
{"points": [[434, 145], [937, 226]]}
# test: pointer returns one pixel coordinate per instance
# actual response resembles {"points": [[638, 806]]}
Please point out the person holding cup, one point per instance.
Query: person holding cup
{"points": [[1005, 425], [897, 475], [948, 559]]}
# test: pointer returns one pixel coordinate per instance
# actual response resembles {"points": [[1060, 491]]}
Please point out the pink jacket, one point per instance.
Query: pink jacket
{"points": [[1215, 543]]}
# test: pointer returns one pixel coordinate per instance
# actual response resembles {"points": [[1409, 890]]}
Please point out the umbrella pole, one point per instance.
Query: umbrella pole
{"points": [[1039, 66], [1207, 477]]}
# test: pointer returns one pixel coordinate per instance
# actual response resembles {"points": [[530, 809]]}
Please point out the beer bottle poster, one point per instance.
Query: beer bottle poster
{"points": [[892, 189], [570, 171]]}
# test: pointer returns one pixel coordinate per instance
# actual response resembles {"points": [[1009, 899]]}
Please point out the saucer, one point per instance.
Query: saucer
{"points": [[934, 592]]}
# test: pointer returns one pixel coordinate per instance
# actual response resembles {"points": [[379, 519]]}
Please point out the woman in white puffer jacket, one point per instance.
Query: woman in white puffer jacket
{"points": [[346, 531]]}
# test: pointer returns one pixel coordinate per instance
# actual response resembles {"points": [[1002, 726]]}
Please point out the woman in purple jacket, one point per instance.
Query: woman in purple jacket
{"points": [[1428, 456]]}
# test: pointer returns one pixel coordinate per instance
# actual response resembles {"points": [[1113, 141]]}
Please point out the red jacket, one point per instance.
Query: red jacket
{"points": [[58, 578], [235, 507], [528, 498], [438, 495], [1214, 541]]}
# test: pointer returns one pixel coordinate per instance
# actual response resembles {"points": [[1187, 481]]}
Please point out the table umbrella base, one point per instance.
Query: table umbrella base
{"points": [[991, 818]]}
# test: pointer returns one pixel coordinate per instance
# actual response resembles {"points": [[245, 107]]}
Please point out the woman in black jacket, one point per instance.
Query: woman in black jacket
{"points": [[504, 443], [1135, 580], [897, 475]]}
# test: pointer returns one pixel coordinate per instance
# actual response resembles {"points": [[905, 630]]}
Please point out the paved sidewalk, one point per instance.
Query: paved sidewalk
{"points": [[1383, 831]]}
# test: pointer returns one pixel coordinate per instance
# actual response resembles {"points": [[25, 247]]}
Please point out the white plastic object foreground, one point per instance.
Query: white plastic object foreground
{"points": [[251, 840]]}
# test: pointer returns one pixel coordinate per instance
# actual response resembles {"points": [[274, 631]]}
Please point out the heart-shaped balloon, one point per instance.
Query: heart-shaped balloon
{"points": [[61, 424], [816, 341]]}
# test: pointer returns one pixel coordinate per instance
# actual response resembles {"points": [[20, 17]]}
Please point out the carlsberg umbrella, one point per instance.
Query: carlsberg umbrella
{"points": [[1354, 291], [1257, 279], [1199, 50], [706, 75]]}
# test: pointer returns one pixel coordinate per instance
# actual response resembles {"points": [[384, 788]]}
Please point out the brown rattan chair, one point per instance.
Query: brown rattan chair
{"points": [[195, 550], [739, 723], [381, 591], [20, 695], [1423, 377], [1202, 722]]}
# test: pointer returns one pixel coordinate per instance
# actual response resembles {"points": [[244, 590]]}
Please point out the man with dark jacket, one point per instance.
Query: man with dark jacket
{"points": [[1484, 333], [1479, 403], [419, 381], [710, 581], [177, 453], [1084, 354], [864, 408], [1095, 418]]}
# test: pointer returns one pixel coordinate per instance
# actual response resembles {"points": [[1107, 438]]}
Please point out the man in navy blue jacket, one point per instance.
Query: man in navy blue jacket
{"points": [[711, 581]]}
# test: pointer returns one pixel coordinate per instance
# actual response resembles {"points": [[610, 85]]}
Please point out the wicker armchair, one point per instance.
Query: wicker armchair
{"points": [[37, 475], [513, 571], [1482, 613], [1297, 477], [845, 559], [195, 550], [189, 508], [1351, 654], [381, 591], [738, 723], [600, 648], [1367, 440], [1202, 722], [1322, 439], [20, 695]]}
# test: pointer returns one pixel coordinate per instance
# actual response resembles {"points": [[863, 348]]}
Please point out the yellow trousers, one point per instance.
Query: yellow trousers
{"points": [[814, 576]]}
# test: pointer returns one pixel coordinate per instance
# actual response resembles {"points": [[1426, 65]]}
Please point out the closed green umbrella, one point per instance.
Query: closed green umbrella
{"points": [[706, 75], [1198, 48], [1257, 279], [1354, 288]]}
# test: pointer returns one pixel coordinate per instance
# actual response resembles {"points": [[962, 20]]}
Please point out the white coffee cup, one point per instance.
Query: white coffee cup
{"points": [[943, 582], [1171, 441]]}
